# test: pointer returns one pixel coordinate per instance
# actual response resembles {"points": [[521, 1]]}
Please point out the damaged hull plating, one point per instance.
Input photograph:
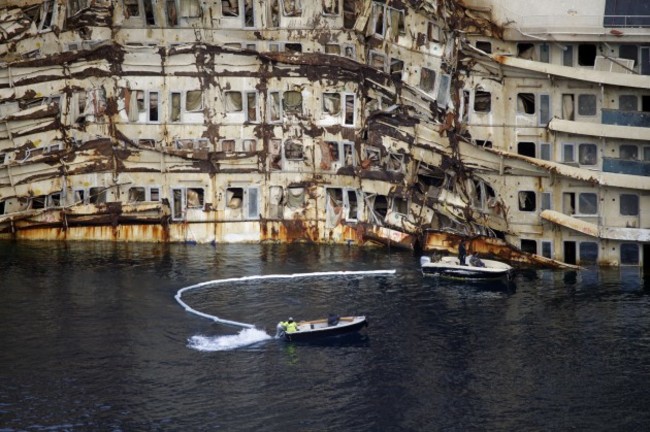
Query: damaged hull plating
{"points": [[399, 123]]}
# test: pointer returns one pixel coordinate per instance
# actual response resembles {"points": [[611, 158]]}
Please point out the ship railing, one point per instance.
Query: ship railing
{"points": [[576, 23]]}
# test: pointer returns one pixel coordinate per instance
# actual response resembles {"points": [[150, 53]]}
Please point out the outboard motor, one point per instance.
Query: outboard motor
{"points": [[424, 260]]}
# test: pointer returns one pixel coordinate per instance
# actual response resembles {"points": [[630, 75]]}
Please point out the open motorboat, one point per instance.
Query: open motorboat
{"points": [[316, 329], [474, 268]]}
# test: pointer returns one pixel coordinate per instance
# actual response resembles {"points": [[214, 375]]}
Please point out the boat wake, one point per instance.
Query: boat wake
{"points": [[249, 335], [245, 337]]}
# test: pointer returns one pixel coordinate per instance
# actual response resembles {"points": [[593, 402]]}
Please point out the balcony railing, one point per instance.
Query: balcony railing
{"points": [[577, 24], [625, 118], [630, 167]]}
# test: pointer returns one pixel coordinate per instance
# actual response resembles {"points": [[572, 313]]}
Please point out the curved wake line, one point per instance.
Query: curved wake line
{"points": [[258, 277]]}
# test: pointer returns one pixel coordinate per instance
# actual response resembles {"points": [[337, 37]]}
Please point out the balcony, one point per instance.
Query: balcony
{"points": [[625, 118], [629, 167]]}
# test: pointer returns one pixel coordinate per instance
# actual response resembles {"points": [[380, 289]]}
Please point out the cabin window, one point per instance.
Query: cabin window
{"points": [[136, 194], [526, 103], [348, 154], [568, 153], [646, 153], [275, 201], [228, 146], [349, 52], [295, 198], [372, 156], [545, 151], [385, 19], [275, 107], [629, 205], [547, 249], [629, 52], [545, 53], [47, 14], [291, 8], [184, 199], [395, 162], [484, 143], [484, 46], [334, 49], [331, 104], [526, 149], [249, 14], [349, 107], [527, 201], [230, 8], [131, 8], [427, 80], [526, 51], [293, 47], [545, 203], [628, 103], [249, 145], [396, 68], [194, 198], [529, 246], [629, 254], [443, 90], [2, 207], [482, 101], [587, 54], [193, 101], [330, 7], [587, 105], [628, 152], [234, 102], [3, 158], [567, 55], [544, 109], [293, 150], [341, 204], [176, 107], [588, 252], [588, 204], [587, 154]]}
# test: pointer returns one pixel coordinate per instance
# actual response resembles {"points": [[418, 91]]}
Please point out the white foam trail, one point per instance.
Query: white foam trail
{"points": [[258, 277], [225, 343]]}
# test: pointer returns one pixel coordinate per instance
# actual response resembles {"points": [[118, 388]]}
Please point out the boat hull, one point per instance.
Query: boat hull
{"points": [[313, 330], [450, 268]]}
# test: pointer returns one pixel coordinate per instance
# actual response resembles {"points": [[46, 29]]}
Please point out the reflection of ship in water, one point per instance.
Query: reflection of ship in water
{"points": [[520, 126]]}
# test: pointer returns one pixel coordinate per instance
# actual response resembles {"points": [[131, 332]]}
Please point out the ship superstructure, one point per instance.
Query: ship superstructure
{"points": [[407, 123]]}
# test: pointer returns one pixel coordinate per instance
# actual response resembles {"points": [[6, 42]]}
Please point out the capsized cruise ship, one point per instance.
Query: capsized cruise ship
{"points": [[520, 127]]}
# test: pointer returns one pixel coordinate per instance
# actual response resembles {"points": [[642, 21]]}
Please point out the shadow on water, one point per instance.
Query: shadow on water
{"points": [[505, 286], [344, 340]]}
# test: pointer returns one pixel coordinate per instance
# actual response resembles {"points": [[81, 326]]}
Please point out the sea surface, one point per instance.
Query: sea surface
{"points": [[92, 338]]}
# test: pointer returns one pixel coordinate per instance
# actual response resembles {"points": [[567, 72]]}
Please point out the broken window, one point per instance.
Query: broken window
{"points": [[153, 105], [568, 107], [628, 152], [377, 61], [333, 151], [587, 54], [372, 156], [275, 200], [334, 206], [433, 32], [629, 254], [2, 207], [97, 195], [349, 52], [400, 206], [295, 197], [331, 104], [230, 8], [249, 13], [348, 114], [526, 103], [275, 107], [293, 150], [395, 162], [131, 8], [193, 101], [172, 14], [629, 52], [427, 80], [47, 15], [291, 8], [136, 194], [348, 154], [330, 7], [628, 103], [588, 252], [526, 51], [293, 47], [588, 204], [176, 107], [184, 199], [587, 105], [396, 68], [526, 149], [529, 246], [292, 103], [629, 205], [251, 105], [547, 249], [194, 198], [569, 203], [148, 12], [484, 46], [38, 202], [527, 201], [587, 154], [482, 101], [349, 14]]}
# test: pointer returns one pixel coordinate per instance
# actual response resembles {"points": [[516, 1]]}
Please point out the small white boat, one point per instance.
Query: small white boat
{"points": [[315, 329], [474, 268]]}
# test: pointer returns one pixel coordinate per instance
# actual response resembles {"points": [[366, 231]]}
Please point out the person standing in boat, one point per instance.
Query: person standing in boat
{"points": [[462, 253]]}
